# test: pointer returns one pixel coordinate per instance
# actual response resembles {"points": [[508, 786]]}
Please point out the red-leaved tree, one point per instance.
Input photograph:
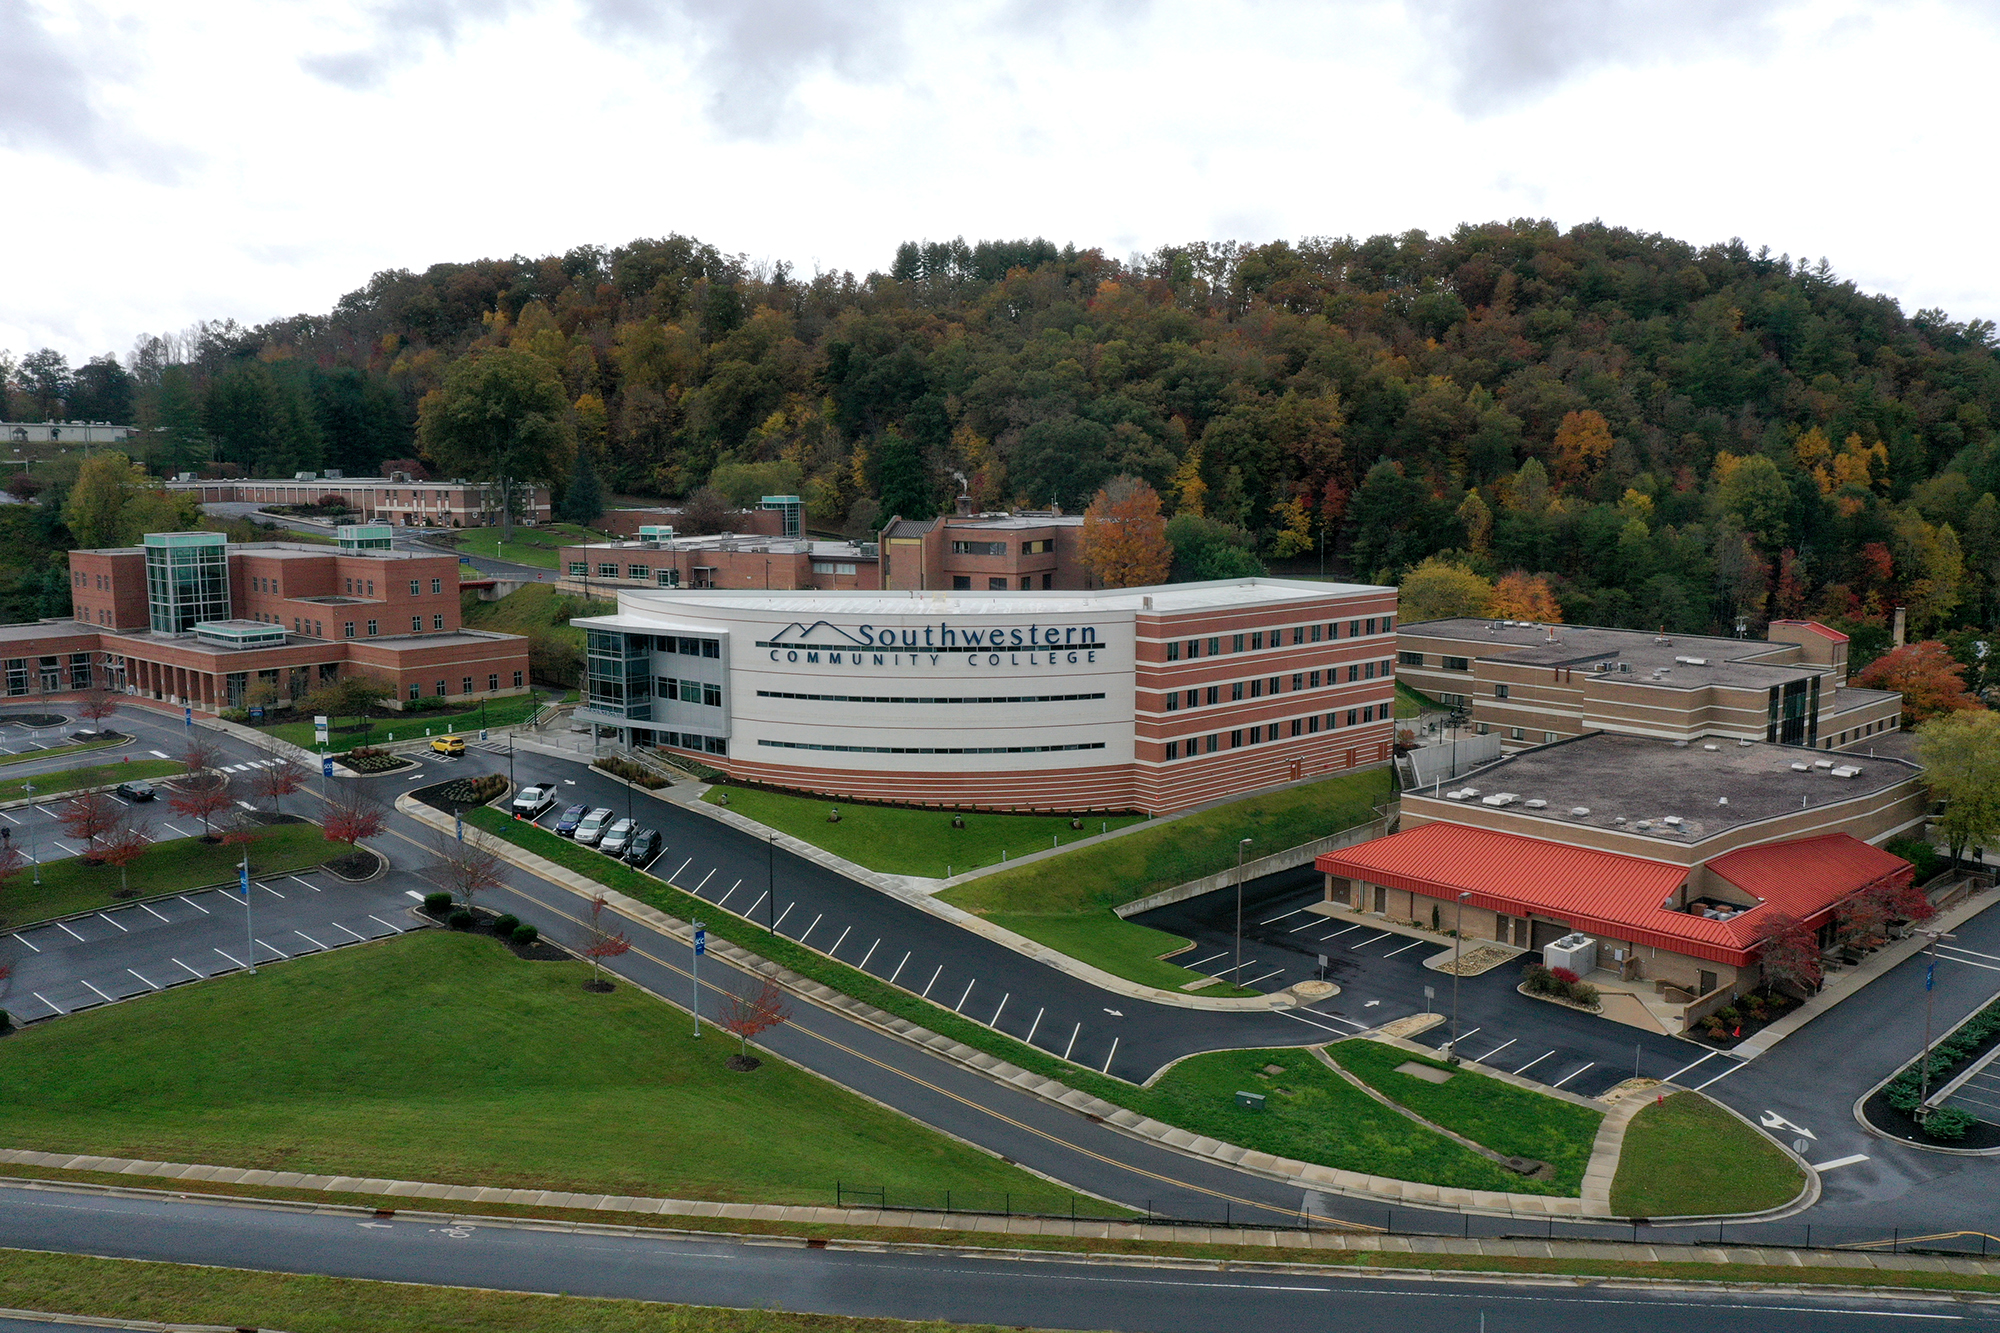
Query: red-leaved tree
{"points": [[744, 1016], [97, 706], [1928, 677], [199, 753], [601, 942], [120, 846], [1790, 953], [89, 817], [352, 817], [465, 868], [201, 796], [276, 781]]}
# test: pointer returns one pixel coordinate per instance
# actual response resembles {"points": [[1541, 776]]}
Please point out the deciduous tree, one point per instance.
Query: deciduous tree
{"points": [[1439, 588], [89, 817], [277, 780], [1961, 755], [601, 941], [121, 845], [746, 1015], [466, 869], [1125, 536], [500, 413], [1789, 952], [1582, 443], [97, 707], [202, 796], [1926, 675], [1523, 596], [353, 817]]}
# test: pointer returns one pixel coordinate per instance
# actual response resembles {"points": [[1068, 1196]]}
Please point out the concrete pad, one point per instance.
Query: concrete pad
{"points": [[289, 1179], [428, 1191], [616, 1203], [374, 1185], [140, 1168], [404, 1188], [228, 1175], [462, 1193], [1428, 1073]]}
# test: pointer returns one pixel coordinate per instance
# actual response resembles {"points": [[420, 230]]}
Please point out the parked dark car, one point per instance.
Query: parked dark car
{"points": [[645, 845], [570, 819], [136, 791]]}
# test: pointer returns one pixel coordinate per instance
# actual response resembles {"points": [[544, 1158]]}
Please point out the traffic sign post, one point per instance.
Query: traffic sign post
{"points": [[187, 715], [700, 948], [319, 729], [326, 765]]}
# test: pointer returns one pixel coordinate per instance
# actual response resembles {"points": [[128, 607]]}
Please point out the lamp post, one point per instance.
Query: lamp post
{"points": [[1457, 957], [1923, 1111], [771, 881], [29, 787], [1237, 971]]}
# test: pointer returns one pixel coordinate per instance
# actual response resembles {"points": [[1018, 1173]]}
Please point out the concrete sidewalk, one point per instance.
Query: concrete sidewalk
{"points": [[1315, 1239]]}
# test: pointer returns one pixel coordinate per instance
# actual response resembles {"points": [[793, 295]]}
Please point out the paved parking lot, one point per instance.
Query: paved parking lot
{"points": [[1382, 976], [60, 967]]}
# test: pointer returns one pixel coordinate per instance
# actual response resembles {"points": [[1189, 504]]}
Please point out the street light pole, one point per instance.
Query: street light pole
{"points": [[1923, 1111], [249, 931], [1237, 971], [771, 881], [29, 787], [1457, 959]]}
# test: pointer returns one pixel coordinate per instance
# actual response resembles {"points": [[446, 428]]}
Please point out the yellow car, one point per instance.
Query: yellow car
{"points": [[449, 744]]}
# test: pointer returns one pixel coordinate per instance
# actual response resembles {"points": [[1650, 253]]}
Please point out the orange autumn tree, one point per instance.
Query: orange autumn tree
{"points": [[1582, 443], [1523, 596], [1930, 680], [1125, 535]]}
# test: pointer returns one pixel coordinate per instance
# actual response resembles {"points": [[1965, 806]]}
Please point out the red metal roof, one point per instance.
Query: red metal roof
{"points": [[1608, 894], [1816, 628]]}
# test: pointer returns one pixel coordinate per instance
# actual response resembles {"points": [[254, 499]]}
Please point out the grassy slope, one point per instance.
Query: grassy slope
{"points": [[1688, 1155], [901, 840], [439, 1056], [228, 1297], [536, 546], [1178, 851], [1119, 947], [70, 886], [345, 734], [75, 779], [1497, 1115], [1333, 1123], [531, 608]]}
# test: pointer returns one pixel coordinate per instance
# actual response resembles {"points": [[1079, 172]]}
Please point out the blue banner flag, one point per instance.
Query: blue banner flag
{"points": [[1930, 973], [700, 942], [243, 878]]}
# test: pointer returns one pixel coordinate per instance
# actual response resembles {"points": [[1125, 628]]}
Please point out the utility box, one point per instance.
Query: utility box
{"points": [[1578, 953], [1250, 1101]]}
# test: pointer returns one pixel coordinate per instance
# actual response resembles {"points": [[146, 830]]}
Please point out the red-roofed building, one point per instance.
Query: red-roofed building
{"points": [[1694, 927]]}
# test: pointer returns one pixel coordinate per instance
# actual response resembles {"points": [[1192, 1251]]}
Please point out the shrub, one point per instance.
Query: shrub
{"points": [[1540, 980], [437, 903], [1584, 993], [6, 1021], [1727, 1013], [504, 927], [525, 934], [1949, 1123], [1564, 975], [1918, 853], [461, 920]]}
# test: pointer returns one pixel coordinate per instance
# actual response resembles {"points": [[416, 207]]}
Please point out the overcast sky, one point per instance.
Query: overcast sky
{"points": [[164, 162]]}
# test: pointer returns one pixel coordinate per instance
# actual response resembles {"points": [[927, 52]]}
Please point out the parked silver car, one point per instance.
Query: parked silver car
{"points": [[592, 827], [618, 837]]}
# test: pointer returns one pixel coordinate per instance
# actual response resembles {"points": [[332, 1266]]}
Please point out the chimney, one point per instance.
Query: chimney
{"points": [[964, 506], [1897, 633]]}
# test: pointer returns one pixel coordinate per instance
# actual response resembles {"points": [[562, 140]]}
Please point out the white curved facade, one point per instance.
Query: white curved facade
{"points": [[1046, 700]]}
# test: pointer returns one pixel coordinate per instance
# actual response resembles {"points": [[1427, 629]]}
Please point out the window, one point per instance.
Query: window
{"points": [[295, 626], [1236, 740], [640, 572], [1299, 681], [1173, 700], [712, 695], [1353, 671], [1173, 650], [437, 585], [416, 691], [437, 622], [1256, 735], [1193, 649], [1315, 637], [1194, 698], [996, 584], [580, 568], [1500, 691], [1257, 640], [1315, 680], [416, 588], [1353, 629], [1214, 743], [1271, 732], [1236, 644], [1352, 715], [1410, 659], [1173, 749], [1368, 671], [979, 548], [1041, 546], [961, 583], [711, 648], [1455, 663], [1388, 623], [1256, 689], [517, 680], [1548, 738], [690, 691], [1027, 582], [1298, 727], [1274, 684], [1515, 733], [440, 690], [371, 587], [1482, 728], [1235, 691], [373, 629], [1371, 624], [1312, 724], [1214, 693], [1454, 700], [1298, 634], [350, 585], [607, 571], [492, 682], [1214, 647], [349, 629]]}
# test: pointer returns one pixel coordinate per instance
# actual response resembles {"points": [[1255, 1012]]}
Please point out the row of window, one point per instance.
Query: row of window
{"points": [[666, 577], [49, 670], [998, 583], [1446, 663], [686, 645], [465, 685], [935, 749], [347, 627], [688, 740], [1301, 680], [1271, 731], [1039, 546], [956, 699], [1254, 640], [689, 691]]}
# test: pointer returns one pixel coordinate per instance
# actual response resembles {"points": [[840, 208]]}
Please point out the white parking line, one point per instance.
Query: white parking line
{"points": [[759, 903], [109, 999], [149, 911], [171, 829], [46, 1000], [959, 1008], [1405, 949], [1266, 977], [1572, 1074], [1206, 961], [1072, 1041], [155, 987], [870, 954], [184, 967], [809, 929], [1108, 1058], [684, 865], [230, 958], [995, 1021], [355, 933], [114, 922], [72, 934], [380, 922], [782, 915], [1294, 912], [161, 753], [9, 818], [1227, 970], [899, 968], [268, 889], [195, 905], [296, 880], [725, 897], [1967, 962], [1314, 920], [24, 939], [1338, 933], [1532, 1063], [1849, 1160], [932, 982], [705, 879], [1496, 1050], [1959, 948], [1468, 1032], [842, 940], [310, 940], [1321, 1026], [280, 952], [1383, 936], [1684, 1068], [1723, 1075], [1037, 1023]]}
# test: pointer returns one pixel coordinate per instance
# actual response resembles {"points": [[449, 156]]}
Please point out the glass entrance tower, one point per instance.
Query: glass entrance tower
{"points": [[187, 579]]}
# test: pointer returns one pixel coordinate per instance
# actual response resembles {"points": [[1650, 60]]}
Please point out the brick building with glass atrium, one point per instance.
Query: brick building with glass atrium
{"points": [[188, 618]]}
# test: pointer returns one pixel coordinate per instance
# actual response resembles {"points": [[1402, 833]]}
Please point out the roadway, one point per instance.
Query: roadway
{"points": [[1038, 1291]]}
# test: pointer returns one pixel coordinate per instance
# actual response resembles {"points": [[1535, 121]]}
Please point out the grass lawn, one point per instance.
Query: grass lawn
{"points": [[1188, 848], [442, 1057], [1411, 702], [537, 546], [1327, 1122], [57, 751], [1121, 948], [1497, 1115], [1313, 1114], [902, 840], [75, 779], [302, 1303], [1687, 1155], [346, 733], [70, 886]]}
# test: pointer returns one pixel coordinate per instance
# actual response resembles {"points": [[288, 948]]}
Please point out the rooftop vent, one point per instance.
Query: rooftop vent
{"points": [[1681, 745], [1499, 798], [1536, 804], [1801, 768], [1625, 667], [1604, 666], [1644, 826], [1711, 748], [1745, 744], [1822, 763], [1470, 791], [1617, 819], [1692, 661], [1579, 810], [1722, 800], [1454, 796], [1672, 820], [1846, 771]]}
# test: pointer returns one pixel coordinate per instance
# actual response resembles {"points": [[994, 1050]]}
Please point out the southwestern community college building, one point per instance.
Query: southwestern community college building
{"points": [[1151, 699]]}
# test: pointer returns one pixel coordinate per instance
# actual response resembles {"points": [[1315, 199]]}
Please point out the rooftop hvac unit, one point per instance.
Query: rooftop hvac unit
{"points": [[1822, 763], [1801, 768], [1644, 826], [1673, 821], [1711, 748], [1577, 952], [334, 474], [1625, 667], [1454, 796], [1692, 661], [1579, 810], [1536, 804], [1470, 791], [305, 476], [1617, 819], [1846, 771], [1499, 798], [1604, 666], [1722, 800], [1680, 745]]}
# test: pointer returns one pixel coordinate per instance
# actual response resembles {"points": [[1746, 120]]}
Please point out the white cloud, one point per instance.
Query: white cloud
{"points": [[258, 160]]}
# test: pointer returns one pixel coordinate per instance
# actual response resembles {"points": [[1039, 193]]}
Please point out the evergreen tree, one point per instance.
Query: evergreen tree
{"points": [[899, 479], [583, 503]]}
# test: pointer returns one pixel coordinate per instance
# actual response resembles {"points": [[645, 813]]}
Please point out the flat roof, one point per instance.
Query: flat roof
{"points": [[45, 629], [288, 551], [1724, 661], [1624, 781], [746, 543], [1216, 595]]}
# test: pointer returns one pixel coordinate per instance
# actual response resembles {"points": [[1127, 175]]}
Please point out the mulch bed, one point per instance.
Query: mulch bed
{"points": [[361, 863], [454, 797], [1777, 1005], [541, 951], [32, 720]]}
